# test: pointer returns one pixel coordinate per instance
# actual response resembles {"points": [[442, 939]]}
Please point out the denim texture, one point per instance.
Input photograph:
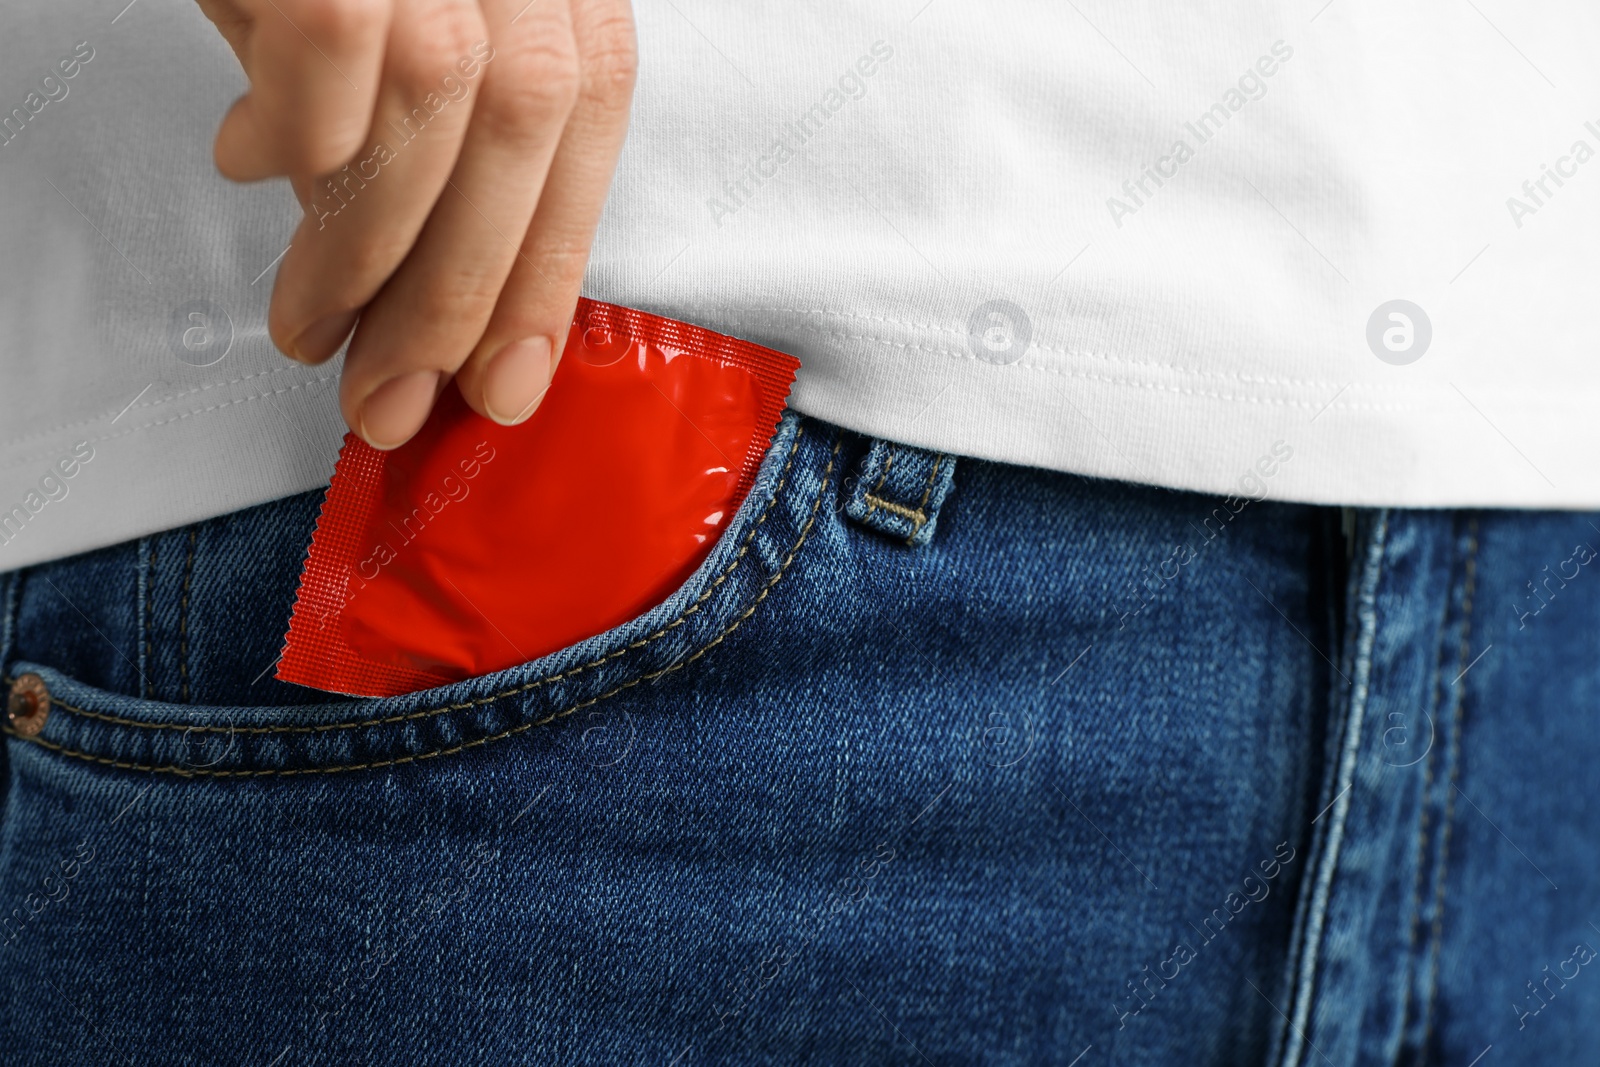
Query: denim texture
{"points": [[1064, 771]]}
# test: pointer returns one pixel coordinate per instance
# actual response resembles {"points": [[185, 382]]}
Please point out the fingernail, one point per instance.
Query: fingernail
{"points": [[397, 409], [323, 337], [516, 379]]}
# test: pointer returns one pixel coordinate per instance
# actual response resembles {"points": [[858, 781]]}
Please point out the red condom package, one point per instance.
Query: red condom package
{"points": [[474, 546]]}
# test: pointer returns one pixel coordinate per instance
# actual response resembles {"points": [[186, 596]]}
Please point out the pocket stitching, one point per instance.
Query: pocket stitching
{"points": [[185, 772], [424, 713]]}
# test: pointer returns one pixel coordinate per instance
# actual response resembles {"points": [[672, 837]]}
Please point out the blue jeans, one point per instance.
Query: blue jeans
{"points": [[934, 761]]}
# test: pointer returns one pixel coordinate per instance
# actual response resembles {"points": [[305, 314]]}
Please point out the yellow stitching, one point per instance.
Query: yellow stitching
{"points": [[917, 517], [873, 496], [927, 490], [429, 712], [922, 505], [184, 772]]}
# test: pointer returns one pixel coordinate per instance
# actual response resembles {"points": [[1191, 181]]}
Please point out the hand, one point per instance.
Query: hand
{"points": [[452, 158]]}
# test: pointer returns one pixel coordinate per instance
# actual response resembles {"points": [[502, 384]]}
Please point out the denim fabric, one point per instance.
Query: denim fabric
{"points": [[900, 490], [1090, 774]]}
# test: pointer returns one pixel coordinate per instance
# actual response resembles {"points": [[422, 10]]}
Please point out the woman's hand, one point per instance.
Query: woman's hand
{"points": [[452, 157]]}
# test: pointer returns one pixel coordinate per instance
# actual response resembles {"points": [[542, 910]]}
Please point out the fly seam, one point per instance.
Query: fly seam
{"points": [[1469, 588]]}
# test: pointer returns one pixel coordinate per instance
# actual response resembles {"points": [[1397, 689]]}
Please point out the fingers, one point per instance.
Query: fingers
{"points": [[455, 219], [363, 220], [431, 313], [314, 67], [507, 374]]}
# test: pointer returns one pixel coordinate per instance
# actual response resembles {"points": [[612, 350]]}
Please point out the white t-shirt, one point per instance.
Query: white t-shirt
{"points": [[1338, 254]]}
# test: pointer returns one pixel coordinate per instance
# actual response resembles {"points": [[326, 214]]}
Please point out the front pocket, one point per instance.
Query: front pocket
{"points": [[752, 556]]}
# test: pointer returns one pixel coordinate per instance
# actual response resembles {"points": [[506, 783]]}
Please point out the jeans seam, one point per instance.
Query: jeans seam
{"points": [[1453, 760], [1415, 926], [1304, 983], [191, 772]]}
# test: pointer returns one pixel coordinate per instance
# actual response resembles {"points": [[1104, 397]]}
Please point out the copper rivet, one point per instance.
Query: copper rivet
{"points": [[28, 706]]}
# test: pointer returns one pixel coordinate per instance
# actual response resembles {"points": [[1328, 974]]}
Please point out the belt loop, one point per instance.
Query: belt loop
{"points": [[900, 490]]}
